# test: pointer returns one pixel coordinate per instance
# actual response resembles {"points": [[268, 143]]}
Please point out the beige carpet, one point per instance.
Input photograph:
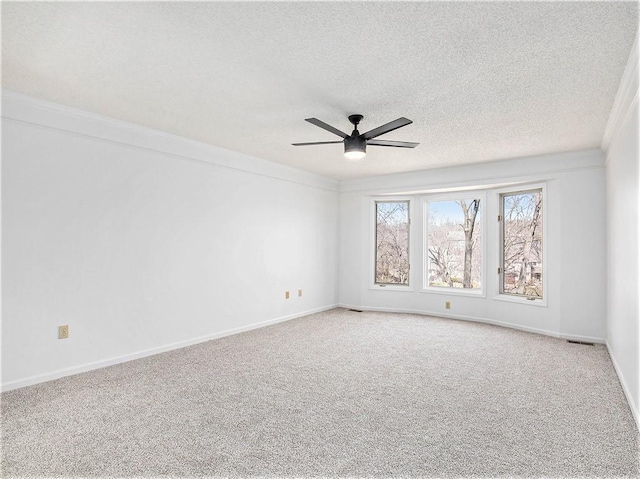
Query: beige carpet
{"points": [[339, 393]]}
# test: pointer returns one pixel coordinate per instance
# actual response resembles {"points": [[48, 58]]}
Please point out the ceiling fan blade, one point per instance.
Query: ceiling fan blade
{"points": [[325, 126], [398, 144], [316, 143], [386, 128]]}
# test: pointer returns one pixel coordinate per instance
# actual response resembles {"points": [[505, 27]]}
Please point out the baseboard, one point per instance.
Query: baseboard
{"points": [[554, 334], [41, 378], [632, 405]]}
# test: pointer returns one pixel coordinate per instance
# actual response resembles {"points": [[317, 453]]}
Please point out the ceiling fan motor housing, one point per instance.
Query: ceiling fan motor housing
{"points": [[354, 143]]}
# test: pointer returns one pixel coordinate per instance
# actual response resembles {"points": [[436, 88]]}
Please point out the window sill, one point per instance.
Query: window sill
{"points": [[391, 287], [521, 300], [455, 292]]}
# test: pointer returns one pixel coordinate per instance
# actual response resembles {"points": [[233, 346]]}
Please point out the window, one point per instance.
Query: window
{"points": [[392, 243], [521, 234], [453, 250]]}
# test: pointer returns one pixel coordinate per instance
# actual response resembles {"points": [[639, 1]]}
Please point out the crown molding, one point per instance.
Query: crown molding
{"points": [[35, 112], [625, 97], [479, 175]]}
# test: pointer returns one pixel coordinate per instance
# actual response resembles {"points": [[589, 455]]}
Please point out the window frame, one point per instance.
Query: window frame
{"points": [[453, 196], [373, 247], [511, 297]]}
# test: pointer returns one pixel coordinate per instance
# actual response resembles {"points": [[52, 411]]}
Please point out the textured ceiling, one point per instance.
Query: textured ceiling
{"points": [[481, 81]]}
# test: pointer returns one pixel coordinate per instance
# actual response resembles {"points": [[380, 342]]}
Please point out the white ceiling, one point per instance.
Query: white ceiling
{"points": [[481, 81]]}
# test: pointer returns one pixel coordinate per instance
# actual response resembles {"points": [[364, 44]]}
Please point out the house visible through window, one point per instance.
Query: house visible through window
{"points": [[454, 244], [521, 227], [392, 242]]}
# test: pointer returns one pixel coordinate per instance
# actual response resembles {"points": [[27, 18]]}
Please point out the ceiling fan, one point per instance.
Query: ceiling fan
{"points": [[355, 144]]}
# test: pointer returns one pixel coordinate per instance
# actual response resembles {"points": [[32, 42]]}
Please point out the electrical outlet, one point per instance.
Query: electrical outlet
{"points": [[447, 305], [63, 331], [286, 295], [299, 293]]}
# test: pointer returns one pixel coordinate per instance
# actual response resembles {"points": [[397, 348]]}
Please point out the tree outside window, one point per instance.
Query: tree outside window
{"points": [[454, 244], [521, 218], [392, 242]]}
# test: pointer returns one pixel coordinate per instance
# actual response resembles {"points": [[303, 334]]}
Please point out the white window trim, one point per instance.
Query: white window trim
{"points": [[545, 247], [372, 247], [456, 195]]}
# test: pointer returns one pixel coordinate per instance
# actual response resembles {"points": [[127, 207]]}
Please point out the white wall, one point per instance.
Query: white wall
{"points": [[142, 241], [575, 242], [623, 306]]}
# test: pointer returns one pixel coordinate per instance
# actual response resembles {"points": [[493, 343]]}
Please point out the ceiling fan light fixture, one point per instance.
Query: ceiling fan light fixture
{"points": [[355, 148], [354, 155]]}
